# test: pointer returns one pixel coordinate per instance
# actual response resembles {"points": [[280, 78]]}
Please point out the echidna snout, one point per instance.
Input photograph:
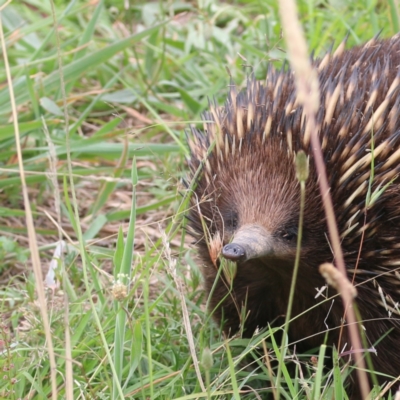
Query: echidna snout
{"points": [[250, 242]]}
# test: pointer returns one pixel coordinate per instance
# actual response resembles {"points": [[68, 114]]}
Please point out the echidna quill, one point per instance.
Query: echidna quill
{"points": [[246, 201]]}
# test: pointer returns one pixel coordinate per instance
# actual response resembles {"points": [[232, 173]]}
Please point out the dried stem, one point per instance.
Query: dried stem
{"points": [[308, 96]]}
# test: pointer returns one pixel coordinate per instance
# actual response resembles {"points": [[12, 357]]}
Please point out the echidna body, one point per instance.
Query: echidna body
{"points": [[246, 201]]}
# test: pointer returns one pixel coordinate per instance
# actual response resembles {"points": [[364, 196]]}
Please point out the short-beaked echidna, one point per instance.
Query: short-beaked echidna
{"points": [[247, 198]]}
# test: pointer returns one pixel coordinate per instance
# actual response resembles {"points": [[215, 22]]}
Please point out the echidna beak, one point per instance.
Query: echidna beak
{"points": [[250, 241]]}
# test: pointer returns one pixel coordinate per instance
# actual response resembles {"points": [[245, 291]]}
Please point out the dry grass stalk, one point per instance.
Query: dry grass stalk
{"points": [[185, 312], [30, 226], [308, 95]]}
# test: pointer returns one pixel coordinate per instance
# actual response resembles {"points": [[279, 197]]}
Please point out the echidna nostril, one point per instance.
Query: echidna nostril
{"points": [[233, 251]]}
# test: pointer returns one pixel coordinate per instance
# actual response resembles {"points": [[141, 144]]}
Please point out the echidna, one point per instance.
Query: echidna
{"points": [[246, 200]]}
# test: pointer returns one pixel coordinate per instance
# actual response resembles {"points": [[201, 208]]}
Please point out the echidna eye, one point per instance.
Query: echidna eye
{"points": [[231, 220], [289, 234]]}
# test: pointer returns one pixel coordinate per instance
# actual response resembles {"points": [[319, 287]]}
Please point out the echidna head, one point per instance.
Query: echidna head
{"points": [[247, 193], [257, 205]]}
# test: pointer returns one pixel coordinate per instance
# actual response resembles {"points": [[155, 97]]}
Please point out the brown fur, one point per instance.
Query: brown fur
{"points": [[248, 177]]}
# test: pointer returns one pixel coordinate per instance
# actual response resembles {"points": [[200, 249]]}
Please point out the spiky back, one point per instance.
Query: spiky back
{"points": [[246, 155], [360, 102]]}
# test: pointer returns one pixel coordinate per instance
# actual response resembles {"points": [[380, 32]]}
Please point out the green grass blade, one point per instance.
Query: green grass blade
{"points": [[122, 277], [319, 373], [73, 70], [232, 373]]}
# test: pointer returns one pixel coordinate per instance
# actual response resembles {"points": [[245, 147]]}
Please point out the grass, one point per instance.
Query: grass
{"points": [[115, 84]]}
